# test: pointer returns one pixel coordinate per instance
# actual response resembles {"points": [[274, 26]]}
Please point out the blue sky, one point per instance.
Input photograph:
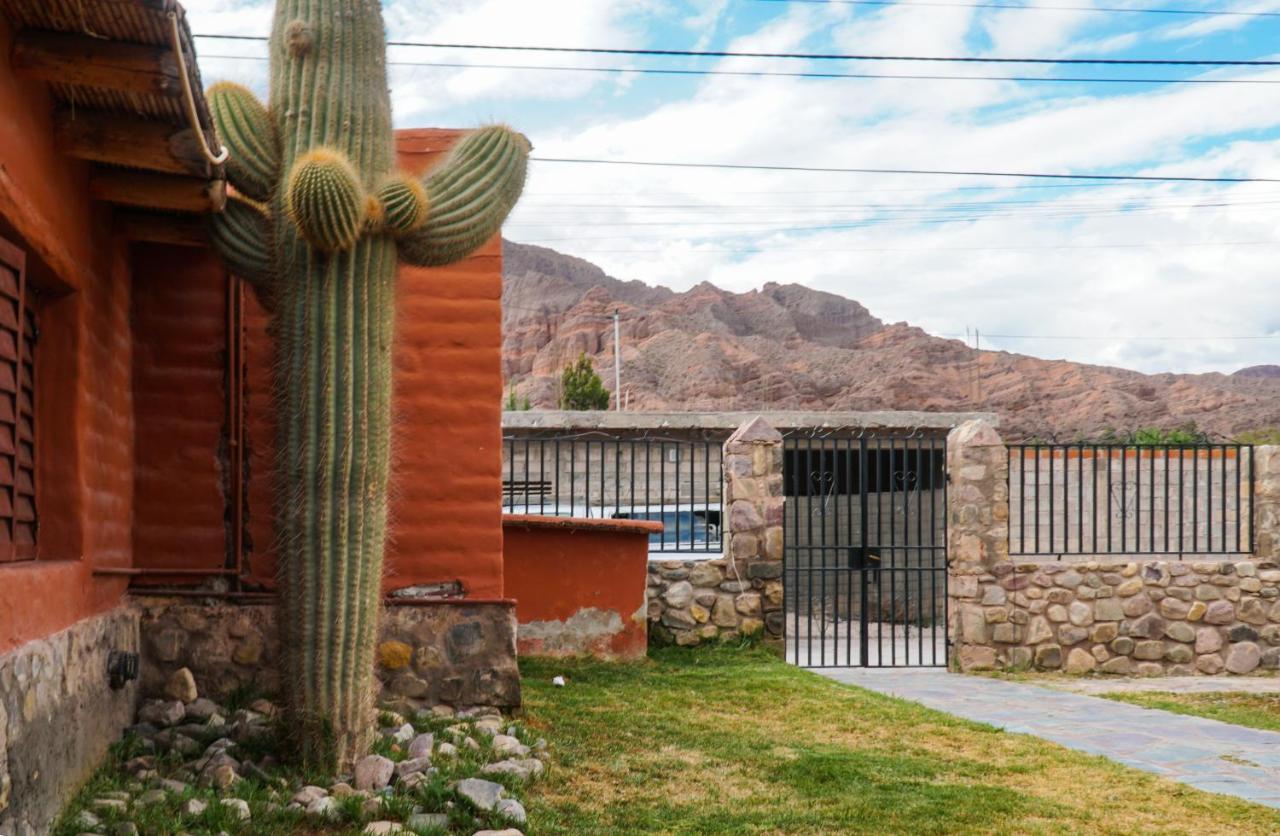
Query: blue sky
{"points": [[1147, 276]]}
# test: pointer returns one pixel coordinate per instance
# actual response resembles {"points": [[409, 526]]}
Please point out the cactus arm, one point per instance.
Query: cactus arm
{"points": [[325, 200], [245, 126], [242, 236], [468, 197]]}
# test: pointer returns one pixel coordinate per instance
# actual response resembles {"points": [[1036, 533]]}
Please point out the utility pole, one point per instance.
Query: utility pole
{"points": [[617, 363]]}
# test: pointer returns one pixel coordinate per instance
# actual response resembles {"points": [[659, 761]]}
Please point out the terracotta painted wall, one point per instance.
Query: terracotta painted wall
{"points": [[179, 393], [83, 402], [579, 585], [446, 519]]}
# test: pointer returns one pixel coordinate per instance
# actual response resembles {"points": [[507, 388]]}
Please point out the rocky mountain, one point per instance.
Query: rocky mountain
{"points": [[790, 347]]}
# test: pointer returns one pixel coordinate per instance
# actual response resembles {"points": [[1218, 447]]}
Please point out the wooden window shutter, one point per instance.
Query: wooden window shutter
{"points": [[18, 330]]}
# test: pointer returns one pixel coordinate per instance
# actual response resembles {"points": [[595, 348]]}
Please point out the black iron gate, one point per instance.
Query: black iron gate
{"points": [[865, 571]]}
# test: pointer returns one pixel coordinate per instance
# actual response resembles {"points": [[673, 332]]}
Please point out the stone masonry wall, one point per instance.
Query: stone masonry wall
{"points": [[460, 653], [739, 594], [1137, 616], [58, 715]]}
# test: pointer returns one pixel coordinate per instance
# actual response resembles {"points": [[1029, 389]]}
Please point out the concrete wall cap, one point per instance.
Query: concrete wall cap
{"points": [[975, 433], [758, 431]]}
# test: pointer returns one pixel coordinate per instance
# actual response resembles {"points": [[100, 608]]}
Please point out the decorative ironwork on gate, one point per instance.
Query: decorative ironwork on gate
{"points": [[865, 574]]}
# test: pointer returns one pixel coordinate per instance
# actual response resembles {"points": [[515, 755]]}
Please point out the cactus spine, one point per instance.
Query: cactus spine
{"points": [[323, 219]]}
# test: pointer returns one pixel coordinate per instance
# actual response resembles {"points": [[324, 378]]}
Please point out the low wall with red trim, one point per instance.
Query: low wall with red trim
{"points": [[579, 585]]}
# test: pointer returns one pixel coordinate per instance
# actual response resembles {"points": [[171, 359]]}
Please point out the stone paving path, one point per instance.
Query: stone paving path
{"points": [[1206, 754], [1177, 684]]}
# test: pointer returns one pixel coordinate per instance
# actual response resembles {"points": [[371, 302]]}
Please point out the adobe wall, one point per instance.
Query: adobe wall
{"points": [[447, 450], [579, 585], [1133, 614], [83, 398]]}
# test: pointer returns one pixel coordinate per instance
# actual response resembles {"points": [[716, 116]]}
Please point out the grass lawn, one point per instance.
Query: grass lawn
{"points": [[1257, 711], [731, 741]]}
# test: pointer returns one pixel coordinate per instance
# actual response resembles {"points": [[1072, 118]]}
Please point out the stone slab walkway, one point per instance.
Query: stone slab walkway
{"points": [[1176, 684], [1206, 754]]}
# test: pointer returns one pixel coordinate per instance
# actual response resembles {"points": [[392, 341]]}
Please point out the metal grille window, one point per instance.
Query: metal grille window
{"points": [[18, 522], [674, 481], [1123, 499]]}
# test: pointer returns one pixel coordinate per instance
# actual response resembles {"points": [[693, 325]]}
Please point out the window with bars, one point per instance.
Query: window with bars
{"points": [[18, 332]]}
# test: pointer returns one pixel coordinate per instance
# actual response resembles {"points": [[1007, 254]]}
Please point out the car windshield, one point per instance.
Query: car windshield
{"points": [[679, 528]]}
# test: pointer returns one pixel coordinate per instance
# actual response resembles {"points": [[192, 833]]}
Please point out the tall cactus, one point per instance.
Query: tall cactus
{"points": [[316, 227]]}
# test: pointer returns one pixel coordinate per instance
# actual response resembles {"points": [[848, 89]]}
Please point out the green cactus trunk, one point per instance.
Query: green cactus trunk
{"points": [[318, 221], [335, 319]]}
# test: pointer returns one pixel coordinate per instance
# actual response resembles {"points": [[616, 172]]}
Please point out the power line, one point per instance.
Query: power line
{"points": [[1109, 338], [928, 171], [1016, 7], [814, 56], [775, 74]]}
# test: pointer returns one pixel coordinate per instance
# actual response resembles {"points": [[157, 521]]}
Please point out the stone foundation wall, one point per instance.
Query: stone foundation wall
{"points": [[1147, 618], [1126, 615], [455, 653], [58, 715], [739, 594]]}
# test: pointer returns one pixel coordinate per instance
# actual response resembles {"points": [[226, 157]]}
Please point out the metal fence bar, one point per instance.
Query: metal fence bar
{"points": [[1210, 517]]}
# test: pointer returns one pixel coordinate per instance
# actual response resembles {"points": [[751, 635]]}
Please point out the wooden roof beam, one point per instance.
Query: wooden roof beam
{"points": [[130, 141], [158, 191], [112, 65]]}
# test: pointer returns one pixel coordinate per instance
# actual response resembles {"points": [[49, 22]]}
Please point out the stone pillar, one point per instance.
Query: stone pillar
{"points": [[1266, 502], [752, 520], [977, 536]]}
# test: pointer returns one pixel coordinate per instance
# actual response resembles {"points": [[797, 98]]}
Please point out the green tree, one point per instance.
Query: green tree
{"points": [[581, 388]]}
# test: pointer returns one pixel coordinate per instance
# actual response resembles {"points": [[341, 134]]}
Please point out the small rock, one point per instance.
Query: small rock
{"points": [[421, 745], [416, 779], [126, 828], [1243, 657], [512, 809], [372, 806], [103, 805], [523, 769], [87, 820], [181, 686], [201, 709], [391, 718], [379, 827], [162, 713], [219, 777], [264, 707], [308, 794], [373, 772], [510, 831], [412, 766], [324, 808], [238, 806], [150, 797], [470, 743], [183, 745], [484, 795], [341, 790], [194, 807], [448, 750], [506, 745], [400, 734], [425, 821], [443, 710], [175, 787]]}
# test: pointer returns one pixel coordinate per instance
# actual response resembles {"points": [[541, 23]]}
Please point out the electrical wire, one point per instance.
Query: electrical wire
{"points": [[775, 74], [814, 56], [1020, 8]]}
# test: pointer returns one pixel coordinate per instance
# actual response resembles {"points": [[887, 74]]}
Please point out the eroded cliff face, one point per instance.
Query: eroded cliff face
{"points": [[790, 347]]}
